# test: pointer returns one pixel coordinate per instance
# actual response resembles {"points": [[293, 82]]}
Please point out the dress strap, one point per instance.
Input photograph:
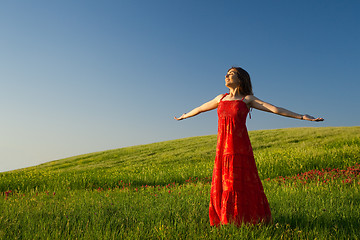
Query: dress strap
{"points": [[223, 96]]}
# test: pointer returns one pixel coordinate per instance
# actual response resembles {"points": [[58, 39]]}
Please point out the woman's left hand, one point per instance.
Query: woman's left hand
{"points": [[311, 118]]}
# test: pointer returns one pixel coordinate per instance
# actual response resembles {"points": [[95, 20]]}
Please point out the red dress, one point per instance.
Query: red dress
{"points": [[237, 194]]}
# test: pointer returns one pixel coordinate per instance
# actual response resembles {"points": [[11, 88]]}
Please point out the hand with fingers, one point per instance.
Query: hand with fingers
{"points": [[180, 118], [311, 118]]}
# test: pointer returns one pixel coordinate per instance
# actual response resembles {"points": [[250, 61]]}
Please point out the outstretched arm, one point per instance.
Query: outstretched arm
{"points": [[210, 105], [256, 103]]}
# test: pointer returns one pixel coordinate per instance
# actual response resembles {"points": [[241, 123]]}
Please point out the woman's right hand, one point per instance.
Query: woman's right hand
{"points": [[210, 105], [180, 118]]}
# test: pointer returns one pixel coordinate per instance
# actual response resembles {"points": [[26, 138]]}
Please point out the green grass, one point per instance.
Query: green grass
{"points": [[161, 190]]}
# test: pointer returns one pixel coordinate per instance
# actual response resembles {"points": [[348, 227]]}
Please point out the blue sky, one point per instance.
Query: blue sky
{"points": [[84, 76]]}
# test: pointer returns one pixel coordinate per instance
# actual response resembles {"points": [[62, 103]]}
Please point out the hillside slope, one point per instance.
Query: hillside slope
{"points": [[277, 152]]}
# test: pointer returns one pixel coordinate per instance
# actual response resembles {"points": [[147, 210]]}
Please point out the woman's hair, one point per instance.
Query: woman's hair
{"points": [[245, 81]]}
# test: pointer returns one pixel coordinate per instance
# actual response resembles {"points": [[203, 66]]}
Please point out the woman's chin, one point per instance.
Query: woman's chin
{"points": [[227, 84]]}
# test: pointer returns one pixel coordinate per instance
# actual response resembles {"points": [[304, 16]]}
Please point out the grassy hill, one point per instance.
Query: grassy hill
{"points": [[280, 152], [311, 177]]}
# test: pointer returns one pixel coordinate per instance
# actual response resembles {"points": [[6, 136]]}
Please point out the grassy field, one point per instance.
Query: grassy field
{"points": [[311, 177]]}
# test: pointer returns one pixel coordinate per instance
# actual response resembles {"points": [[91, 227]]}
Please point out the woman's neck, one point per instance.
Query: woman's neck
{"points": [[234, 92]]}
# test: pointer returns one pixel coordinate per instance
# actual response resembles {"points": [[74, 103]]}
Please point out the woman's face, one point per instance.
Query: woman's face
{"points": [[232, 79]]}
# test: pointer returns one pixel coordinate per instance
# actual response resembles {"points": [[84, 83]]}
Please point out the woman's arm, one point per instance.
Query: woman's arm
{"points": [[210, 105], [256, 103]]}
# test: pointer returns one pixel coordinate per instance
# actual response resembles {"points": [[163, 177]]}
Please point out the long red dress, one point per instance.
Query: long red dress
{"points": [[237, 194]]}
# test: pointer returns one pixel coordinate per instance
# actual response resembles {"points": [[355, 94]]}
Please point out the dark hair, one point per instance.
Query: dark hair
{"points": [[245, 81]]}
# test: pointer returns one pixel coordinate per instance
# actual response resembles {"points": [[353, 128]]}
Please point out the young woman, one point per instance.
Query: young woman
{"points": [[237, 193]]}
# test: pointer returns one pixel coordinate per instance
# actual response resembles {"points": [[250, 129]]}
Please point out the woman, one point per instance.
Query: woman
{"points": [[237, 194]]}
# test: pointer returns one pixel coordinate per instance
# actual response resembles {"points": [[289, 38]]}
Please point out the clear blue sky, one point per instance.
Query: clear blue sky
{"points": [[85, 76]]}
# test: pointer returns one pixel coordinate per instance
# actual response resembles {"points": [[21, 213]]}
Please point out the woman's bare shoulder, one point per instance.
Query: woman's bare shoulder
{"points": [[249, 98], [219, 97]]}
